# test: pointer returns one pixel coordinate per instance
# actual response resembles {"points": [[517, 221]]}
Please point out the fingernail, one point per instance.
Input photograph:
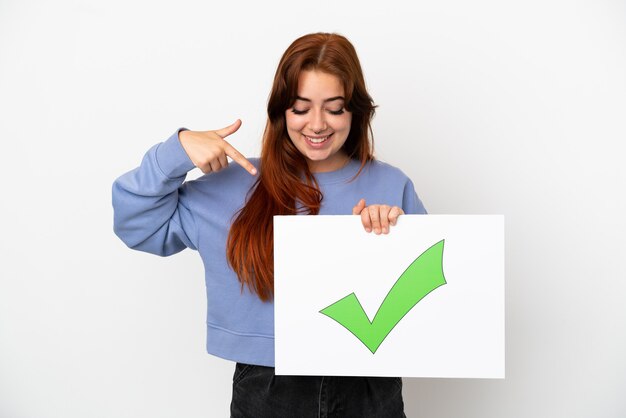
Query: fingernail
{"points": [[385, 230], [368, 229]]}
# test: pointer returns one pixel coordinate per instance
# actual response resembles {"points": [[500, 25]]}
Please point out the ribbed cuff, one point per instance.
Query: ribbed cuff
{"points": [[172, 158]]}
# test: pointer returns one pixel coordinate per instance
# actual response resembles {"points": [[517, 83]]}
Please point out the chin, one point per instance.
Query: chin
{"points": [[317, 158]]}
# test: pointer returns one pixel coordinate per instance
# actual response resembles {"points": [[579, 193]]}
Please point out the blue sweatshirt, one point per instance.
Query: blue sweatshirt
{"points": [[156, 211]]}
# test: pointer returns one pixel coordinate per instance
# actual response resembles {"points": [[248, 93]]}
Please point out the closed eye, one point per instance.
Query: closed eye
{"points": [[302, 112]]}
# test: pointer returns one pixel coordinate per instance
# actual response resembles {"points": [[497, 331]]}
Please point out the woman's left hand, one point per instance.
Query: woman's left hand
{"points": [[377, 217]]}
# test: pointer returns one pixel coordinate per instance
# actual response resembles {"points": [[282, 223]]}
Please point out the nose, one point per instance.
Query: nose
{"points": [[317, 123]]}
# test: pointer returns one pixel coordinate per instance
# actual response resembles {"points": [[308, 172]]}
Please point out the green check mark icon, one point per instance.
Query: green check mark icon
{"points": [[424, 275]]}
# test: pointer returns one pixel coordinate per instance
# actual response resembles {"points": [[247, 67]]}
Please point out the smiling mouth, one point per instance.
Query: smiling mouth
{"points": [[317, 139]]}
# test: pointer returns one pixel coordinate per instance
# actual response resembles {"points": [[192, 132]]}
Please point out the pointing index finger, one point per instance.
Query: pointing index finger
{"points": [[239, 158]]}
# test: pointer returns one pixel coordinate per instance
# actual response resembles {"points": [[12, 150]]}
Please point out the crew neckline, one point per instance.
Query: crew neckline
{"points": [[347, 172]]}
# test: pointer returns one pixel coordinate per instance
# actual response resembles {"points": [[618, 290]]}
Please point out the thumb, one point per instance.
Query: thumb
{"points": [[230, 129], [359, 207]]}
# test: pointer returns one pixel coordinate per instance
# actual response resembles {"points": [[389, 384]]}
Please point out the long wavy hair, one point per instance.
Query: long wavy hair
{"points": [[285, 185]]}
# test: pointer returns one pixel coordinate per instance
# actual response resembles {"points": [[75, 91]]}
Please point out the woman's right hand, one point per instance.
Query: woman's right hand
{"points": [[208, 150]]}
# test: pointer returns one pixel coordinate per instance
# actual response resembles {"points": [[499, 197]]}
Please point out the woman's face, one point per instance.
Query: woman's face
{"points": [[317, 124]]}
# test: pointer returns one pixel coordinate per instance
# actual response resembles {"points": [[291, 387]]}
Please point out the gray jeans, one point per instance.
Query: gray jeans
{"points": [[259, 393]]}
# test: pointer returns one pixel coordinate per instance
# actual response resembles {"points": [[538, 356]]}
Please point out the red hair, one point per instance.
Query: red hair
{"points": [[285, 185]]}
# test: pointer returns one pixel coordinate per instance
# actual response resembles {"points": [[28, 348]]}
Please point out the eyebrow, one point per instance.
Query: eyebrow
{"points": [[304, 99]]}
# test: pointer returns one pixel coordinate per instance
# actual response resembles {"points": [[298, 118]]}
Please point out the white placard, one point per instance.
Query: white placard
{"points": [[445, 318]]}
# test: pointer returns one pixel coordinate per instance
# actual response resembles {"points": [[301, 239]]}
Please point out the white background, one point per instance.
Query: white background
{"points": [[504, 107], [456, 330]]}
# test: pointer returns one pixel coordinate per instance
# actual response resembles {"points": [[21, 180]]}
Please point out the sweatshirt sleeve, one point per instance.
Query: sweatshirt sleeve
{"points": [[150, 211], [411, 204]]}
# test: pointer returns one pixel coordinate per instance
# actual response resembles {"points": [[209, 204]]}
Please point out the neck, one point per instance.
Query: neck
{"points": [[336, 162]]}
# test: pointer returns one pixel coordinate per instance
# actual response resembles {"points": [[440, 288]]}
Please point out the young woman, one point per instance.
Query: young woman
{"points": [[317, 158]]}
